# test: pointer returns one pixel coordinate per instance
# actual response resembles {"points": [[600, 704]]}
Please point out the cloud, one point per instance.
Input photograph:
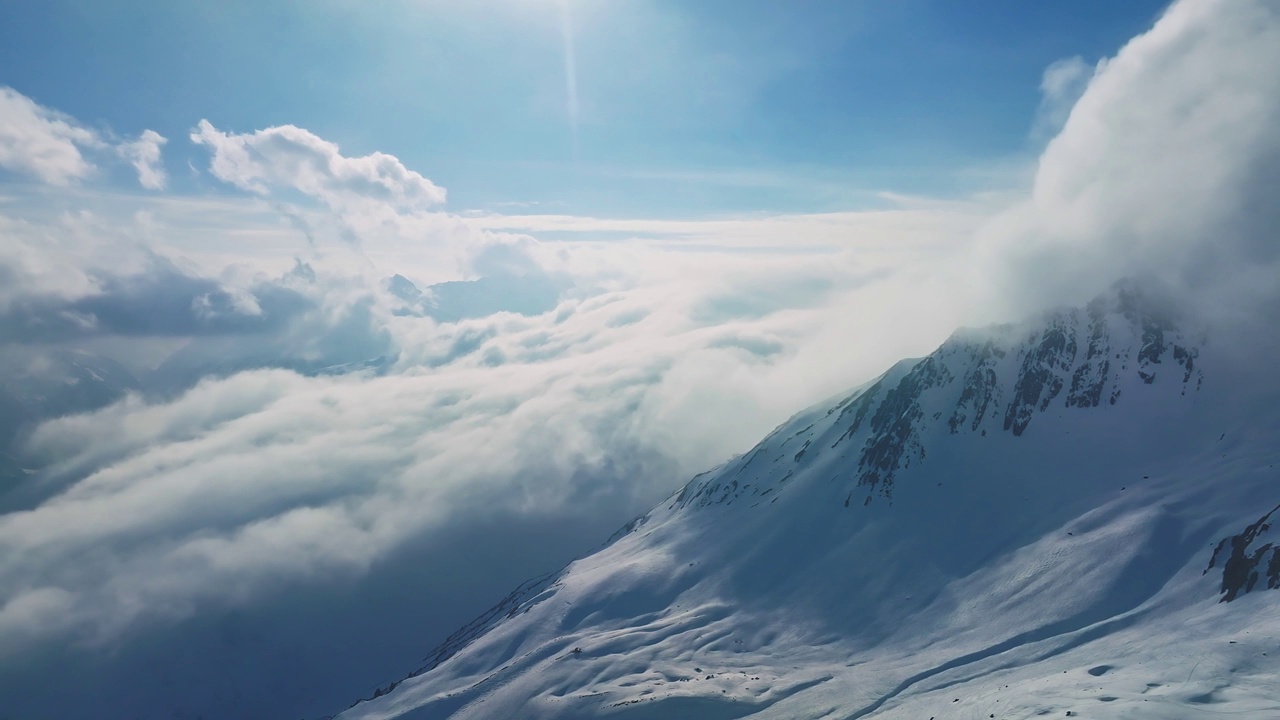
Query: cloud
{"points": [[596, 406], [52, 147], [290, 157], [40, 142], [1063, 83], [1168, 165], [160, 300], [595, 376], [144, 154], [84, 283], [905, 223], [199, 500]]}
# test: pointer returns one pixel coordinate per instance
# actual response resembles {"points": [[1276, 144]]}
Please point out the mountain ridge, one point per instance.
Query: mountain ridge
{"points": [[1044, 473]]}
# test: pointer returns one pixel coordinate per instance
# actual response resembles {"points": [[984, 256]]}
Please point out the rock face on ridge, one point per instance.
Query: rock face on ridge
{"points": [[1247, 563], [996, 380]]}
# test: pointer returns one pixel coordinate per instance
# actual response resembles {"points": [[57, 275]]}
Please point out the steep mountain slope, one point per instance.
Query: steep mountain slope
{"points": [[1059, 517]]}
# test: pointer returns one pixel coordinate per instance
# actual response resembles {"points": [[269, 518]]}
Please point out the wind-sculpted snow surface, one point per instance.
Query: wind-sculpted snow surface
{"points": [[1015, 526]]}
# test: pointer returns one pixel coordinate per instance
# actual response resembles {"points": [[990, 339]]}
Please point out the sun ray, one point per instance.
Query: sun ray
{"points": [[570, 73]]}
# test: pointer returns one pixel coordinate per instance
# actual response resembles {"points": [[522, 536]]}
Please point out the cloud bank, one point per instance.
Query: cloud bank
{"points": [[1167, 165]]}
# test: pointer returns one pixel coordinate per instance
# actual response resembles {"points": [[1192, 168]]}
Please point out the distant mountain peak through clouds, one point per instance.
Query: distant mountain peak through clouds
{"points": [[1017, 524]]}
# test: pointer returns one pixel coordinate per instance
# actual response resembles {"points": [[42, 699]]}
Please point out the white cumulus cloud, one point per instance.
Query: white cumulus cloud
{"points": [[291, 157], [37, 141]]}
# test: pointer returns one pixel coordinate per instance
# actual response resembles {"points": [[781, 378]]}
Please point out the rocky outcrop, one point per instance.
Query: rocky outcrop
{"points": [[981, 395], [895, 427], [998, 380], [1091, 376], [1247, 563], [1041, 376]]}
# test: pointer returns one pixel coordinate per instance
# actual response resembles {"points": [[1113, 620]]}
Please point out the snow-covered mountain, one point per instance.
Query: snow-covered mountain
{"points": [[1067, 517]]}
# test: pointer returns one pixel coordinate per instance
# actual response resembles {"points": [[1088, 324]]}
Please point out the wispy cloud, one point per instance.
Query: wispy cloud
{"points": [[144, 154], [1061, 86], [938, 225]]}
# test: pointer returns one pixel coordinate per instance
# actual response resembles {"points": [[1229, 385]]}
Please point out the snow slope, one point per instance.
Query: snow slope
{"points": [[1063, 517]]}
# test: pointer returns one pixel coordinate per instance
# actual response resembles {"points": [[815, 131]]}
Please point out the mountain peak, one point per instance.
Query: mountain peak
{"points": [[1064, 475], [996, 380]]}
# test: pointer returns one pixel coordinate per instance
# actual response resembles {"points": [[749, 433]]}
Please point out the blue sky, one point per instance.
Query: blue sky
{"points": [[685, 109]]}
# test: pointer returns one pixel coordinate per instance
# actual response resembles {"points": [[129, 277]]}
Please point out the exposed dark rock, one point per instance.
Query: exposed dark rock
{"points": [[981, 391], [1152, 343], [1186, 357], [1246, 564], [1093, 374], [860, 408], [1040, 381], [894, 434], [633, 525], [1073, 360]]}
